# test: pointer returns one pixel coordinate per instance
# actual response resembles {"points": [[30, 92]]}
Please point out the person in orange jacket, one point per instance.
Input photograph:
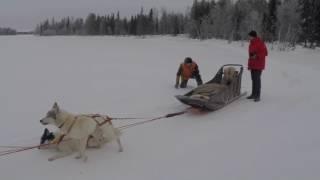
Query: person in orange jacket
{"points": [[188, 69]]}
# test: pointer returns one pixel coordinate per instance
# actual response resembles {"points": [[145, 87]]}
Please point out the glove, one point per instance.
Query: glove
{"points": [[253, 56]]}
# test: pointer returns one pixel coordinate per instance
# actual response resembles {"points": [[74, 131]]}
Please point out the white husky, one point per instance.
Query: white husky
{"points": [[76, 130]]}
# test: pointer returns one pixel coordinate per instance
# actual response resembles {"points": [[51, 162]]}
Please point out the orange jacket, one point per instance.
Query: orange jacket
{"points": [[187, 70]]}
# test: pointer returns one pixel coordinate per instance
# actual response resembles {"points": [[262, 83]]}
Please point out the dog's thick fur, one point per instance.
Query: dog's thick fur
{"points": [[229, 75], [203, 92], [77, 129]]}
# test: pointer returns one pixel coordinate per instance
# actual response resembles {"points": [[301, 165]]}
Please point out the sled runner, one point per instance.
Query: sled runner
{"points": [[223, 89]]}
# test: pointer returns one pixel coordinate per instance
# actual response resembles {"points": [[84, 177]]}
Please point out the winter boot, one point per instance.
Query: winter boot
{"points": [[257, 99]]}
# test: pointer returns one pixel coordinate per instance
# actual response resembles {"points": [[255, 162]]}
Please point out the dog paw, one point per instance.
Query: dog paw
{"points": [[78, 157], [51, 159], [121, 150]]}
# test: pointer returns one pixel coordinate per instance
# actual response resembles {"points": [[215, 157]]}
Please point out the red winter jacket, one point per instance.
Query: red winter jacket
{"points": [[257, 54]]}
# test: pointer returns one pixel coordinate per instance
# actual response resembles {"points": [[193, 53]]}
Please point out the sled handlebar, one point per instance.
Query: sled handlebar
{"points": [[226, 65], [239, 65]]}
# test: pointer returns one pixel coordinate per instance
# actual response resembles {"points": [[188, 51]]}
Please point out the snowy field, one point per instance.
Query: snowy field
{"points": [[275, 139]]}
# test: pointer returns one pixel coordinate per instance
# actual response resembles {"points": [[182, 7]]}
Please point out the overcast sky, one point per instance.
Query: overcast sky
{"points": [[24, 15]]}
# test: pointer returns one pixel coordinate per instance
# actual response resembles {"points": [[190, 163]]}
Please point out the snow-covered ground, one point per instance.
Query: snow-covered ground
{"points": [[275, 139]]}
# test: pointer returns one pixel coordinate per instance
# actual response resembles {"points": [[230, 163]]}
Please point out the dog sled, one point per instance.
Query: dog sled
{"points": [[222, 90]]}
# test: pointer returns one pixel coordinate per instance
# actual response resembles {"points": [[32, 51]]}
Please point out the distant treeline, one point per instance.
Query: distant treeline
{"points": [[112, 24], [286, 21], [7, 31]]}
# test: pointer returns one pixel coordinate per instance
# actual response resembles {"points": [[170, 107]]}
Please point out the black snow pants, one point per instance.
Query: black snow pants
{"points": [[256, 83]]}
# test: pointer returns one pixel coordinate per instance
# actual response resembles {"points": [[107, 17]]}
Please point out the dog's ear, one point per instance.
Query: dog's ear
{"points": [[56, 107]]}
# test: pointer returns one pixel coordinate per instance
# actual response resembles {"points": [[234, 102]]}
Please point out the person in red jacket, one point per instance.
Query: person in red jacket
{"points": [[256, 63], [188, 69]]}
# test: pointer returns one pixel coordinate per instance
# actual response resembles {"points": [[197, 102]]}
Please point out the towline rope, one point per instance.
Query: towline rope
{"points": [[151, 120]]}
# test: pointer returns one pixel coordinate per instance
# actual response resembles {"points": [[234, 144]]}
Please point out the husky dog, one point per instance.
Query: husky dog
{"points": [[229, 75], [76, 131]]}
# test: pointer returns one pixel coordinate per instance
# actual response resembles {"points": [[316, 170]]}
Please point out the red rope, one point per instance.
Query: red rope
{"points": [[125, 118], [138, 123], [106, 117], [151, 120]]}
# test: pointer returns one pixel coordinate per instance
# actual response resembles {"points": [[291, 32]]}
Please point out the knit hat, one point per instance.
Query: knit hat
{"points": [[253, 34], [187, 60]]}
